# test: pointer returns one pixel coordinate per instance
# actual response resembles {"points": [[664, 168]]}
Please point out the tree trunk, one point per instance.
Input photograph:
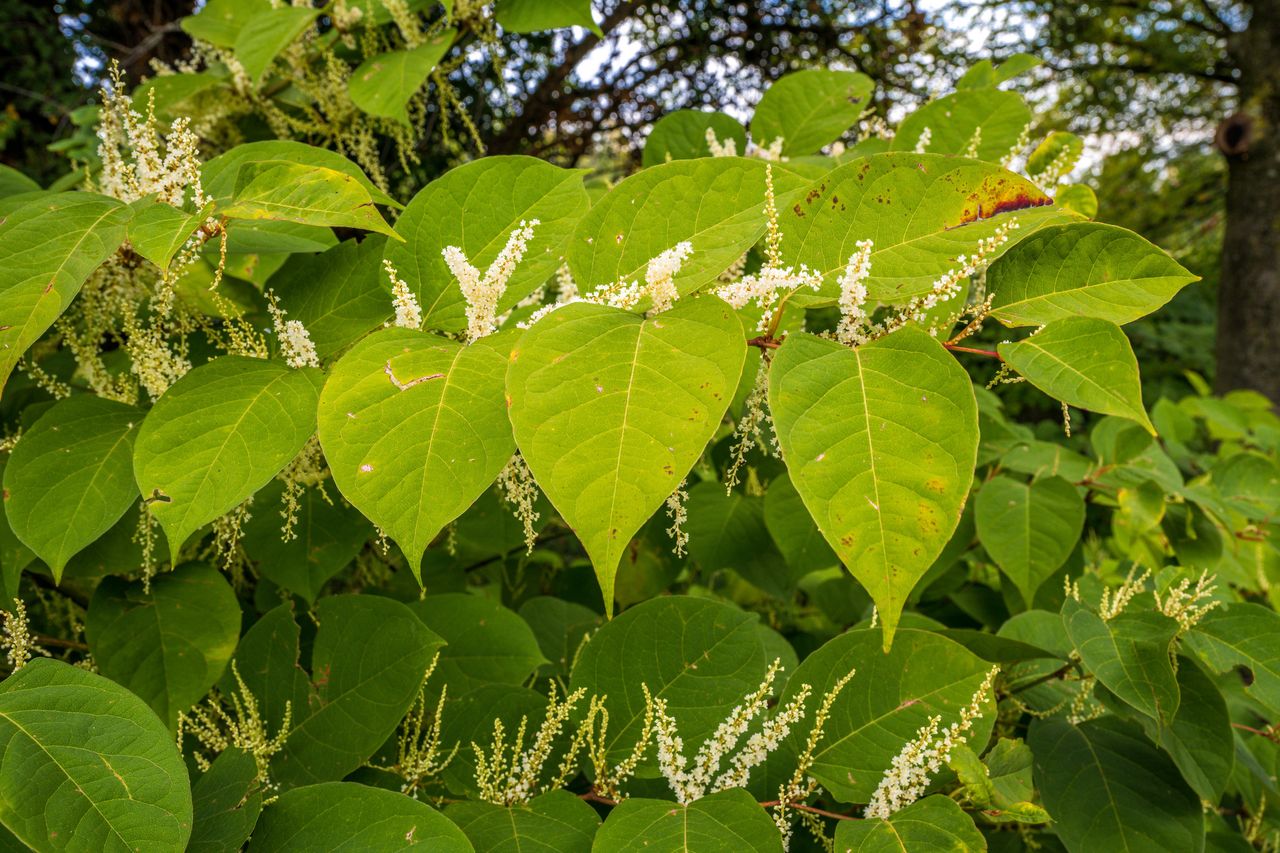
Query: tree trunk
{"points": [[1248, 339]]}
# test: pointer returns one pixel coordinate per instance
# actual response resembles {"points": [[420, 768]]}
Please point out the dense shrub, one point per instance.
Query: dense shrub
{"points": [[662, 514]]}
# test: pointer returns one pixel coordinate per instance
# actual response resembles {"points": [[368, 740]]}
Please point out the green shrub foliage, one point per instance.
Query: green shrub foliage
{"points": [[658, 514]]}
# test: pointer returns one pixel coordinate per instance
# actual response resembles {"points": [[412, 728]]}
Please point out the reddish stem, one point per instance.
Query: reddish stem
{"points": [[593, 797], [989, 353], [765, 342]]}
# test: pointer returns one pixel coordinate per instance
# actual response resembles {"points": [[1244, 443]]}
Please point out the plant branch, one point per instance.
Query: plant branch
{"points": [[989, 353]]}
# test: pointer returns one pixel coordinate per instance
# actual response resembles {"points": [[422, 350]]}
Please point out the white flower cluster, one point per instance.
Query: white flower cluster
{"points": [[295, 340], [773, 281], [771, 152], [19, 645], [659, 276], [519, 489], [801, 784], [136, 162], [566, 287], [853, 296], [689, 783], [1188, 606], [922, 144], [874, 128], [1058, 168], [1114, 602], [659, 285], [679, 514], [949, 283], [766, 286], [510, 777], [728, 148], [975, 143], [749, 432], [152, 361], [913, 768], [217, 729], [482, 293], [408, 311]]}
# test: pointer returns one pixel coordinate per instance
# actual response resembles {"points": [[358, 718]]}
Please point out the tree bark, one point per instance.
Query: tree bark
{"points": [[1248, 336]]}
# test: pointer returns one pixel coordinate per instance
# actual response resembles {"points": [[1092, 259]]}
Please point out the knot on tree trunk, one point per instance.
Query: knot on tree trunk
{"points": [[1235, 135]]}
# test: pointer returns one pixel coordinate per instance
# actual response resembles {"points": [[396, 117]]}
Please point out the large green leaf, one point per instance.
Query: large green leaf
{"points": [[561, 628], [85, 765], [71, 477], [556, 822], [337, 294], [1130, 655], [885, 704], [217, 436], [344, 817], [1108, 788], [220, 21], [367, 665], [261, 39], [485, 643], [1245, 635], [169, 645], [469, 719], [728, 532], [413, 456], [384, 84], [1083, 269], [932, 825], [1083, 362], [327, 536], [809, 109], [728, 822], [13, 182], [921, 211], [880, 442], [158, 230], [531, 16], [14, 556], [612, 410], [476, 207], [702, 656], [1029, 529], [267, 660], [792, 528], [714, 203], [280, 190], [682, 135], [219, 174], [227, 800], [996, 117], [50, 245], [1199, 737]]}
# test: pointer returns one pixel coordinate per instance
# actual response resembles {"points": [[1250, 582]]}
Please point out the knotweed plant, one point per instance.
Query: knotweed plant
{"points": [[236, 288]]}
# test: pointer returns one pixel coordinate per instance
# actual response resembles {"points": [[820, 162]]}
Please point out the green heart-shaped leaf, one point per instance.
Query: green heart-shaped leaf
{"points": [[50, 245], [612, 410], [71, 477], [415, 429], [85, 764], [1083, 269], [170, 644], [920, 211], [880, 442], [1083, 362], [809, 109], [217, 436], [1029, 529]]}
